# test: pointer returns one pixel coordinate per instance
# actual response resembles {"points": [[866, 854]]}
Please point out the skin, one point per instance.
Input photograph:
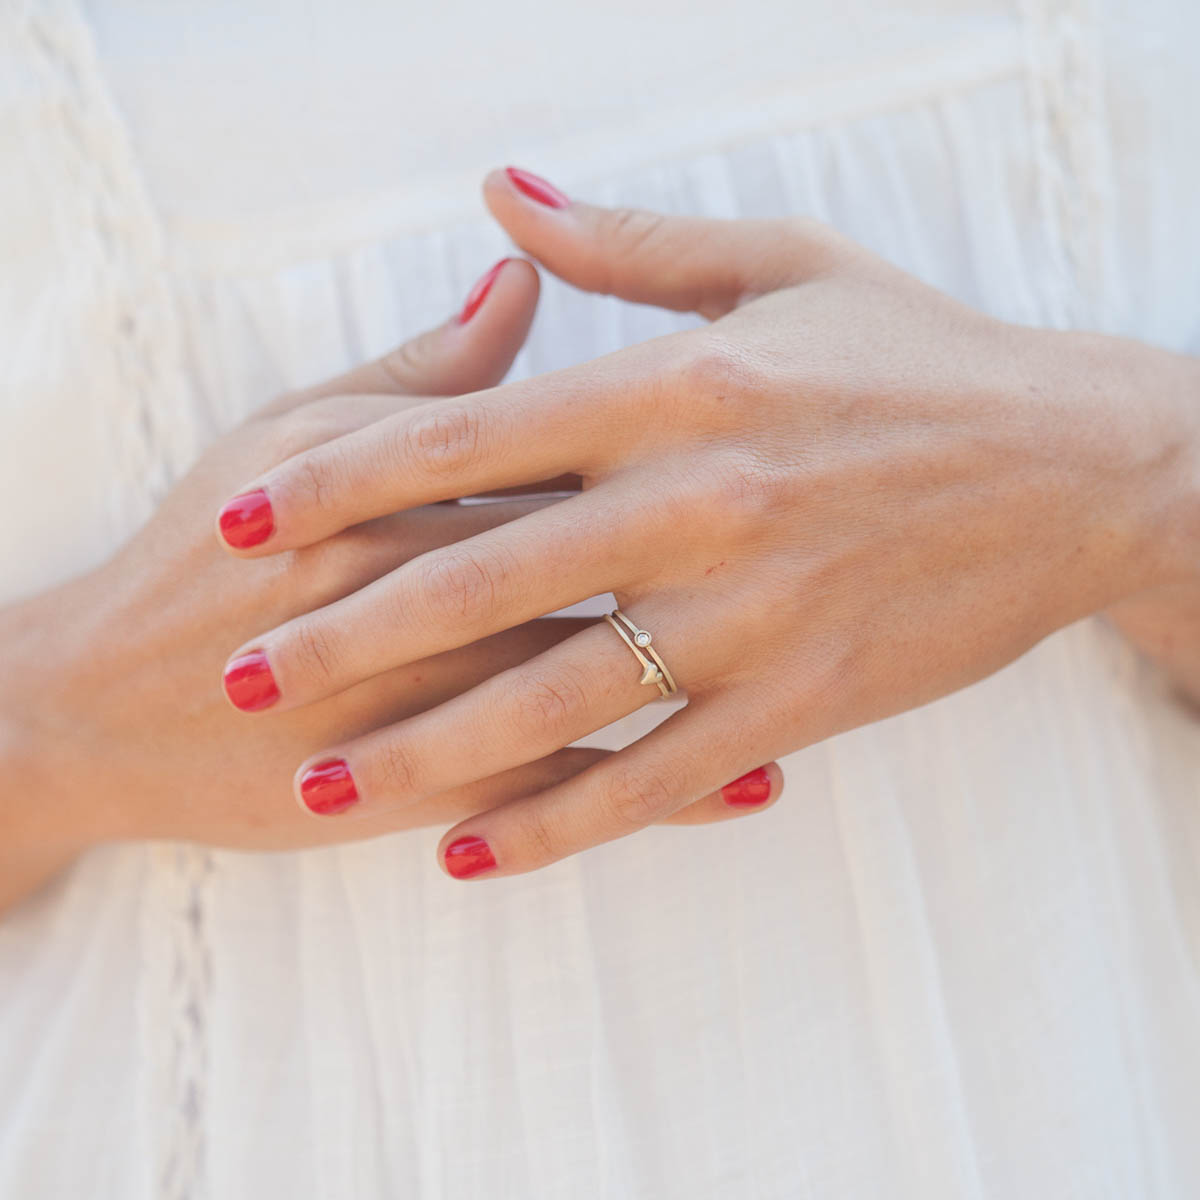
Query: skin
{"points": [[113, 721], [846, 496]]}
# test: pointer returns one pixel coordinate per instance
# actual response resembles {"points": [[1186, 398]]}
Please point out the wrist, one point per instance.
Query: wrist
{"points": [[1140, 430], [1154, 599], [48, 811], [1170, 388]]}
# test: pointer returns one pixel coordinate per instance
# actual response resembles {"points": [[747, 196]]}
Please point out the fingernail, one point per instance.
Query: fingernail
{"points": [[536, 188], [328, 787], [249, 683], [247, 520], [478, 294], [468, 856], [751, 789]]}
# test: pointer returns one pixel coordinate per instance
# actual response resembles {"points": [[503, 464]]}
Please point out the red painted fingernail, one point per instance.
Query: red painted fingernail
{"points": [[249, 683], [247, 520], [536, 188], [751, 789], [478, 294], [468, 856], [328, 787]]}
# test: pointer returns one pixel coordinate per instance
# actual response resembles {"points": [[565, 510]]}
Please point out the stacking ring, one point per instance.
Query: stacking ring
{"points": [[654, 670]]}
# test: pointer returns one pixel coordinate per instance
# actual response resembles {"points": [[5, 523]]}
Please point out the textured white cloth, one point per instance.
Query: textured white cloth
{"points": [[958, 960]]}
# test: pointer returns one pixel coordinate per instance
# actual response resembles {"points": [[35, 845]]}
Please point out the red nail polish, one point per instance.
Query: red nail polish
{"points": [[328, 787], [751, 789], [536, 188], [468, 856], [478, 294], [249, 683], [247, 520]]}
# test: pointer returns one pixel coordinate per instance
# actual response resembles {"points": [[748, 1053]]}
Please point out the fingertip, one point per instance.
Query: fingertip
{"points": [[246, 520], [481, 340], [325, 787], [249, 682], [533, 187], [754, 792], [503, 200], [497, 185], [524, 202], [508, 288], [479, 291], [465, 856]]}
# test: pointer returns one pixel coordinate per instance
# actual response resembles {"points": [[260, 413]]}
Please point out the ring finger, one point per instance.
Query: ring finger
{"points": [[521, 714]]}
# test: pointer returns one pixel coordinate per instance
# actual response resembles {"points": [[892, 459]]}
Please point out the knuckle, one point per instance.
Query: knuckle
{"points": [[625, 235], [459, 583], [444, 440], [315, 651], [545, 698], [632, 228], [833, 669], [715, 369], [634, 798], [314, 476], [534, 831], [409, 366], [397, 769], [745, 489]]}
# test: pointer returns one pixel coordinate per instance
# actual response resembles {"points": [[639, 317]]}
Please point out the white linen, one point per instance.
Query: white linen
{"points": [[959, 959]]}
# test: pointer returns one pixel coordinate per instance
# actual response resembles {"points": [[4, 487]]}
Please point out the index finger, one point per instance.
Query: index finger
{"points": [[565, 422]]}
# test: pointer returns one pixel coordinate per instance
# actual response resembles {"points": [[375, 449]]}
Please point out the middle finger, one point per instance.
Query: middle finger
{"points": [[554, 557]]}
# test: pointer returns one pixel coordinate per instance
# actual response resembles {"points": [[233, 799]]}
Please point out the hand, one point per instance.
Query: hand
{"points": [[845, 497], [111, 712]]}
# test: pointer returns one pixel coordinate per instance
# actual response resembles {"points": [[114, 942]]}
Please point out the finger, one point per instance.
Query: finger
{"points": [[558, 555], [687, 757], [519, 715], [341, 565], [500, 789], [690, 264], [470, 350], [330, 417], [567, 422], [754, 792], [405, 693], [428, 686], [487, 794], [456, 804]]}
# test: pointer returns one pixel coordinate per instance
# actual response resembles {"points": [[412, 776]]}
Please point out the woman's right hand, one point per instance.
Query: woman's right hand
{"points": [[112, 721]]}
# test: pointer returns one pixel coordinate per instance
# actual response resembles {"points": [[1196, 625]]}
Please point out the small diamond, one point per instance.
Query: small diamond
{"points": [[643, 638]]}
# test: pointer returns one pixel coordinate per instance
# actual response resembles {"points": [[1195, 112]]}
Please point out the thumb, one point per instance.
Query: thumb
{"points": [[468, 352], [690, 264]]}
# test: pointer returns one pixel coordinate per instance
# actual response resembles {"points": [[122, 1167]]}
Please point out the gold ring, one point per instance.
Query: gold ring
{"points": [[638, 640]]}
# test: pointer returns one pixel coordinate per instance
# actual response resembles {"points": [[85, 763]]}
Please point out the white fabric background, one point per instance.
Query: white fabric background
{"points": [[958, 960]]}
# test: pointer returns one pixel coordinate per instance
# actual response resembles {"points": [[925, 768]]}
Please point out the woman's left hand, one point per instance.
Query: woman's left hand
{"points": [[846, 496]]}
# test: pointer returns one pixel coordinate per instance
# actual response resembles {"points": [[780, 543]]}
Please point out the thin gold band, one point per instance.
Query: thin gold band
{"points": [[654, 670]]}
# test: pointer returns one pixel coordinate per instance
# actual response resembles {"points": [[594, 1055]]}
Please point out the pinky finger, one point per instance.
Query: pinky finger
{"points": [[753, 792], [678, 763]]}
